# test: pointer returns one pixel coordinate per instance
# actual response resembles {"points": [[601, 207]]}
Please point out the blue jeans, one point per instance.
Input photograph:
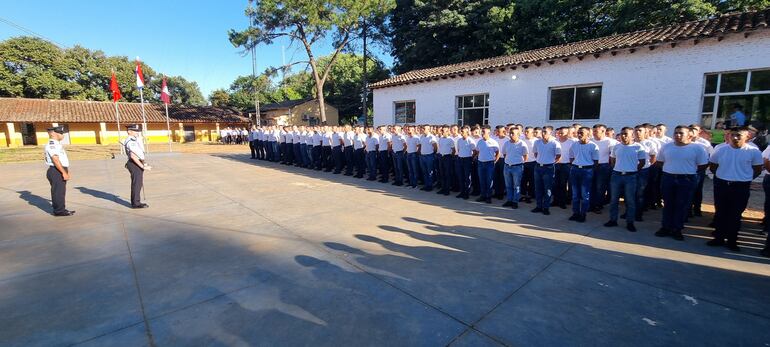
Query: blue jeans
{"points": [[601, 183], [486, 175], [276, 151], [412, 163], [447, 165], [383, 158], [641, 187], [677, 192], [349, 162], [512, 176], [337, 157], [426, 163], [463, 172], [371, 164], [580, 185], [544, 176], [627, 185], [359, 158], [398, 167]]}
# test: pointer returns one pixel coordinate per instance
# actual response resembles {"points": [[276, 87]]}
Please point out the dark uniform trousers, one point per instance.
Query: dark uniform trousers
{"points": [[348, 152], [561, 195], [253, 148], [730, 200], [499, 179], [58, 188], [137, 180]]}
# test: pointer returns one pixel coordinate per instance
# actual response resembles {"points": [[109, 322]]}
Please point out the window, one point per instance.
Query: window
{"points": [[573, 103], [404, 112], [473, 109], [723, 91]]}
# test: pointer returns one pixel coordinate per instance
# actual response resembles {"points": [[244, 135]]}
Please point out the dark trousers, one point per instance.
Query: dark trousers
{"points": [[371, 165], [398, 167], [499, 179], [677, 192], [337, 157], [282, 152], [58, 188], [253, 148], [561, 184], [697, 194], [641, 186], [653, 186], [383, 159], [316, 154], [349, 162], [475, 189], [447, 175], [580, 186], [625, 185], [137, 180], [486, 176], [326, 157], [303, 153], [766, 188], [269, 150], [426, 165], [544, 175], [730, 200], [413, 165], [297, 155], [601, 185], [359, 157], [528, 180], [463, 173]]}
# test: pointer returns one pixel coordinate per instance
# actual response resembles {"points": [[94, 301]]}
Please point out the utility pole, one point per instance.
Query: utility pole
{"points": [[257, 116], [364, 108]]}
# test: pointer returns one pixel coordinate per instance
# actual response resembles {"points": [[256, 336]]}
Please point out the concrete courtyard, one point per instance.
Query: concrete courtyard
{"points": [[235, 252]]}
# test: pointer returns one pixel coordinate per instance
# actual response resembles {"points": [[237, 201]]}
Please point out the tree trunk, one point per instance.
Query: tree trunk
{"points": [[319, 92]]}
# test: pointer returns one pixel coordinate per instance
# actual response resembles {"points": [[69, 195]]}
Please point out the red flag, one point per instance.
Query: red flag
{"points": [[164, 95], [115, 89]]}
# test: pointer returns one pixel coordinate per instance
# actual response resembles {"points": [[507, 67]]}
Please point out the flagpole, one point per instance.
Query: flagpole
{"points": [[117, 118], [168, 127], [144, 122]]}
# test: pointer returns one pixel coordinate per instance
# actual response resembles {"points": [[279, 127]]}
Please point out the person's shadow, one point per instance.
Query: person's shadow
{"points": [[35, 200], [103, 195]]}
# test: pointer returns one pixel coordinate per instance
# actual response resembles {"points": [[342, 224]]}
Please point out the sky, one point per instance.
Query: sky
{"points": [[185, 38]]}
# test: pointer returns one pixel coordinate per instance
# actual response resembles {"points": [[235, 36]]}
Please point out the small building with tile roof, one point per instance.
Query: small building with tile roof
{"points": [[297, 112], [693, 72], [24, 121]]}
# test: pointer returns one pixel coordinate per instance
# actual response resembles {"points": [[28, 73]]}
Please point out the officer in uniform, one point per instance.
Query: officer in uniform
{"points": [[136, 164], [58, 170]]}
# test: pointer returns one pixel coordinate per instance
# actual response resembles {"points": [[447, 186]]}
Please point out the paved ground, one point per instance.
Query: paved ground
{"points": [[233, 253]]}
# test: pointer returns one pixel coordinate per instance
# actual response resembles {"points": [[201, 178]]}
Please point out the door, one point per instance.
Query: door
{"points": [[28, 136], [189, 133]]}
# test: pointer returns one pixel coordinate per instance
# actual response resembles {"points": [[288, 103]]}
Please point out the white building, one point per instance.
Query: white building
{"points": [[688, 73]]}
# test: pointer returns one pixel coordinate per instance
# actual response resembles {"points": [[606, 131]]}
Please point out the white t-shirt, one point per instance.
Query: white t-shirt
{"points": [[326, 139], [465, 147], [500, 141], [411, 143], [398, 142], [426, 144], [735, 164], [605, 146], [54, 148], [336, 137], [445, 145], [487, 149], [565, 147], [682, 160], [384, 139], [359, 141], [514, 152], [530, 148], [584, 154], [627, 156], [651, 147], [317, 139], [766, 154], [372, 142], [706, 144], [546, 152], [347, 138]]}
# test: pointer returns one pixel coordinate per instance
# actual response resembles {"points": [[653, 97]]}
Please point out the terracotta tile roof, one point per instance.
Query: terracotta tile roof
{"points": [[715, 27], [76, 111], [287, 104]]}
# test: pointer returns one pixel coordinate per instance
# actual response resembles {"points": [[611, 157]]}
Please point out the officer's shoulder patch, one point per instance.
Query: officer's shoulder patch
{"points": [[52, 147], [50, 142]]}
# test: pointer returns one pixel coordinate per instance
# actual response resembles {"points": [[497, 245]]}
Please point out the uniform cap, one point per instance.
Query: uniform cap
{"points": [[134, 127], [57, 129]]}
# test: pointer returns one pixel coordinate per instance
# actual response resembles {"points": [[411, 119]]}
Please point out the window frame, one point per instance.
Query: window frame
{"points": [[395, 116], [574, 88], [485, 115], [717, 94]]}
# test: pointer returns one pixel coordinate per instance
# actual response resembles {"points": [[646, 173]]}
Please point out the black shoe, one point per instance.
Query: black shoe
{"points": [[697, 213], [573, 217], [64, 213], [446, 193], [348, 174], [623, 216], [481, 199], [733, 247], [488, 200], [662, 232], [765, 252], [546, 212], [611, 223], [677, 235], [597, 210], [459, 196], [427, 189], [638, 219], [715, 243], [582, 218], [537, 210], [508, 204], [398, 184], [562, 206], [515, 205], [371, 179], [630, 227], [140, 206]]}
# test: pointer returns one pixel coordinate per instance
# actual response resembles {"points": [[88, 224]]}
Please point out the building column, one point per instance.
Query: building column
{"points": [[14, 138], [103, 137], [215, 137], [181, 132]]}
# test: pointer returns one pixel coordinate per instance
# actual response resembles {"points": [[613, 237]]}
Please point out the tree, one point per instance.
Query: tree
{"points": [[309, 21], [219, 98]]}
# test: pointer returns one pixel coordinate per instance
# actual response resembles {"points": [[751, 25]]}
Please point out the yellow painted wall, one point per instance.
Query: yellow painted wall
{"points": [[294, 116], [3, 135]]}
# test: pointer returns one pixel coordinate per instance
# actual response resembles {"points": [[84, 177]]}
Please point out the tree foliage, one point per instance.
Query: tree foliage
{"points": [[35, 68], [432, 33]]}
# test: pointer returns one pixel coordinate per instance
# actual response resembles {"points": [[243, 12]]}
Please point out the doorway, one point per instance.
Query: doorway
{"points": [[28, 135], [189, 133]]}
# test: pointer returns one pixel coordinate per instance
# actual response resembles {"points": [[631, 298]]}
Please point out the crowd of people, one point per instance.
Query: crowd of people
{"points": [[234, 136], [589, 168]]}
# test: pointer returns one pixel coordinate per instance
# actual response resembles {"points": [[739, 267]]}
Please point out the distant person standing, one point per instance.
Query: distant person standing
{"points": [[734, 167], [135, 165], [547, 151], [58, 170], [626, 159], [680, 160], [584, 157], [488, 154], [737, 118]]}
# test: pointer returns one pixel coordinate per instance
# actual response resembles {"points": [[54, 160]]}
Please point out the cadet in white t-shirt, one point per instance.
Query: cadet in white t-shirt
{"points": [[681, 160], [602, 172], [465, 147], [412, 155], [626, 159], [372, 142], [428, 149], [488, 154], [515, 152], [734, 167], [561, 195], [398, 148], [584, 156], [547, 152]]}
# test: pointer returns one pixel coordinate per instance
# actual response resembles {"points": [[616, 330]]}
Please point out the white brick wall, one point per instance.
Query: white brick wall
{"points": [[664, 85]]}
